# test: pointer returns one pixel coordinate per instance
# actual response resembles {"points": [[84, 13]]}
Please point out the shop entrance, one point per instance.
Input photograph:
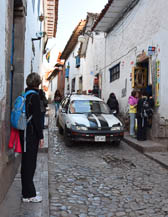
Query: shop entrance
{"points": [[141, 76]]}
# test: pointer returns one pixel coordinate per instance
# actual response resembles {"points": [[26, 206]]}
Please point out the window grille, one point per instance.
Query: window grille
{"points": [[114, 72]]}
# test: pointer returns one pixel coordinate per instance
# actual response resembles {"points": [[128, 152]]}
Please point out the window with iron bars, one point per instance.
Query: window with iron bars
{"points": [[114, 72]]}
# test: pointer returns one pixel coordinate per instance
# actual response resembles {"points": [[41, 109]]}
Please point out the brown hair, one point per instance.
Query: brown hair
{"points": [[133, 93]]}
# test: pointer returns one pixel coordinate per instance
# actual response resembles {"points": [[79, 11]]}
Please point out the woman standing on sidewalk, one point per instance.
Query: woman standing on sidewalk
{"points": [[113, 104], [33, 139], [132, 101], [141, 117], [57, 100]]}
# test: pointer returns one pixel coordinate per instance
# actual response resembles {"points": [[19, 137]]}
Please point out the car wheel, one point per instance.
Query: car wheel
{"points": [[60, 130], [68, 143]]}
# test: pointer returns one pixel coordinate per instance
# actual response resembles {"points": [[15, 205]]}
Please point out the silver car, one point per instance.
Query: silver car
{"points": [[88, 118]]}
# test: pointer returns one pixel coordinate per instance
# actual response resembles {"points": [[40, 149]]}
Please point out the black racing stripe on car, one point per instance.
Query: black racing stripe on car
{"points": [[92, 120], [102, 120]]}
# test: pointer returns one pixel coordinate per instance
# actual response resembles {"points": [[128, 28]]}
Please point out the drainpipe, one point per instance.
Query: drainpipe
{"points": [[12, 68]]}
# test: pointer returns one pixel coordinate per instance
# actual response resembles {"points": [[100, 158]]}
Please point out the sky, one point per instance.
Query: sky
{"points": [[70, 12]]}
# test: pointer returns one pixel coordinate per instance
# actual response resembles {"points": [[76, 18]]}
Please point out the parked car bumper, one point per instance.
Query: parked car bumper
{"points": [[95, 136]]}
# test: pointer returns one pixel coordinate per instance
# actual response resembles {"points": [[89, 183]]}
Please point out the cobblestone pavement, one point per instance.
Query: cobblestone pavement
{"points": [[101, 180]]}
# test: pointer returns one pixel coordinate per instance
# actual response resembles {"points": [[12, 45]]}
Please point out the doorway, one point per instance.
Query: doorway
{"points": [[141, 76], [73, 85]]}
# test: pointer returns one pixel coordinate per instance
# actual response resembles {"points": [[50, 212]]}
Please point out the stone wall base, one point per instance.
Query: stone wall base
{"points": [[7, 174]]}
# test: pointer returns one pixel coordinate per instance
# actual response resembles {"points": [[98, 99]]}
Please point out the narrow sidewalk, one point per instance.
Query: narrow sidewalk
{"points": [[153, 150], [12, 206]]}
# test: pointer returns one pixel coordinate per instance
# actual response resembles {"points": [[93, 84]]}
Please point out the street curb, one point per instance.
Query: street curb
{"points": [[45, 204], [164, 164], [145, 146], [134, 145]]}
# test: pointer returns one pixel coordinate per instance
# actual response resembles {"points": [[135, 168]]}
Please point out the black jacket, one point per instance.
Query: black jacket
{"points": [[34, 127], [112, 102]]}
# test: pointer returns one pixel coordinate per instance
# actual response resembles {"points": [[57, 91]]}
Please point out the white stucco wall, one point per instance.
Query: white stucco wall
{"points": [[145, 25], [32, 27], [89, 65], [161, 38], [73, 72], [3, 9], [52, 88], [94, 60]]}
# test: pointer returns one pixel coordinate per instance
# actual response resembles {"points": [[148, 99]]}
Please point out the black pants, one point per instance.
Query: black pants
{"points": [[42, 119], [142, 129], [28, 167]]}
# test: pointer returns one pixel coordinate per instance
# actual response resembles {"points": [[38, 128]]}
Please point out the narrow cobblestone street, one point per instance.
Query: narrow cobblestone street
{"points": [[103, 180]]}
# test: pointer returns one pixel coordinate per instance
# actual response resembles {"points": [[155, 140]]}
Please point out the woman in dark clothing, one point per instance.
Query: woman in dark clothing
{"points": [[141, 119], [57, 100], [33, 139], [112, 102]]}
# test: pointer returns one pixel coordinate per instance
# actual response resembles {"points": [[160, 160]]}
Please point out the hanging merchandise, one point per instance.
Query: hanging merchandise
{"points": [[139, 77]]}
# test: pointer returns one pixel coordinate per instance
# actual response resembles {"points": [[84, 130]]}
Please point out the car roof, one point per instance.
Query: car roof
{"points": [[85, 97]]}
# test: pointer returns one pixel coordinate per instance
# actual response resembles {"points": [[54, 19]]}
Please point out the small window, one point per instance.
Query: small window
{"points": [[77, 61], [114, 72], [67, 71]]}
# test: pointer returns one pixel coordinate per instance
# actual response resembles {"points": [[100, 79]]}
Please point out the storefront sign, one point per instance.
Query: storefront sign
{"points": [[150, 72], [157, 83]]}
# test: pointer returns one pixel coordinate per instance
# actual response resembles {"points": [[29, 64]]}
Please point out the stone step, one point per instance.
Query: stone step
{"points": [[145, 146]]}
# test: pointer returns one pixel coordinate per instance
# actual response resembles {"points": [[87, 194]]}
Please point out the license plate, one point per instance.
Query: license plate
{"points": [[100, 138]]}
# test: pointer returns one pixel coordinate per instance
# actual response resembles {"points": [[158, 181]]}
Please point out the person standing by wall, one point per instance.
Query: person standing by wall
{"points": [[34, 139], [141, 117], [150, 113], [132, 101], [112, 102], [57, 100]]}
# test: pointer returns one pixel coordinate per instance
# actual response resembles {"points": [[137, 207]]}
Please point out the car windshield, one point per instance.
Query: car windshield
{"points": [[88, 106]]}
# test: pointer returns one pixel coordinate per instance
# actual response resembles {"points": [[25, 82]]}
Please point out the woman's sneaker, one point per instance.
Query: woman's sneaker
{"points": [[36, 199]]}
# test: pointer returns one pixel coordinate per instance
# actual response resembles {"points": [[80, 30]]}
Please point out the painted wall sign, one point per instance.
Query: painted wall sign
{"points": [[141, 57], [151, 50]]}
